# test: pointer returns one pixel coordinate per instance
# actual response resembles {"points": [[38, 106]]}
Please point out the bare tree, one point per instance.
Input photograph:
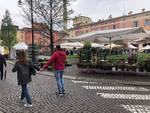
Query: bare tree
{"points": [[48, 12]]}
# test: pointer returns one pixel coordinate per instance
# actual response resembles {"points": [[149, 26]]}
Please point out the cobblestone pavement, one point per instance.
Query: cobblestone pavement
{"points": [[82, 96], [72, 72]]}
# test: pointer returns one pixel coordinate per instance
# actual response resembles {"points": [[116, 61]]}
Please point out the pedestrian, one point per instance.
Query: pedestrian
{"points": [[2, 63], [24, 69], [58, 58], [71, 52], [67, 52]]}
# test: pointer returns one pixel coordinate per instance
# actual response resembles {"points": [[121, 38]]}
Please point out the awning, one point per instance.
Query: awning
{"points": [[107, 33], [132, 36]]}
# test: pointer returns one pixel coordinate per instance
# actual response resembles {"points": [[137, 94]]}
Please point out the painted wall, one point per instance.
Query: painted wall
{"points": [[141, 19]]}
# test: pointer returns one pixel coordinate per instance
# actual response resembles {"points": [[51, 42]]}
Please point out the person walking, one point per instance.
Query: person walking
{"points": [[23, 69], [2, 63], [58, 58]]}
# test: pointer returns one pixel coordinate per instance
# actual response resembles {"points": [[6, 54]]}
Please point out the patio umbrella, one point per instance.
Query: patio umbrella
{"points": [[132, 47], [112, 45], [66, 47], [146, 47], [71, 45], [97, 45], [77, 44], [21, 46]]}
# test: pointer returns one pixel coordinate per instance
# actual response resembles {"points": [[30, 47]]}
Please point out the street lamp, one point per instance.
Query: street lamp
{"points": [[32, 22]]}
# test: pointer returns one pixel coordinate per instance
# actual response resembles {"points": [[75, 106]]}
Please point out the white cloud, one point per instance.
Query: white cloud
{"points": [[98, 9]]}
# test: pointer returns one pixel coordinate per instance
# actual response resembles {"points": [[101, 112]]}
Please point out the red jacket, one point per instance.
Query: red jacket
{"points": [[58, 58]]}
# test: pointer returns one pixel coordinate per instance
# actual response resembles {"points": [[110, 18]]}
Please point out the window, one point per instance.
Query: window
{"points": [[123, 25], [86, 31], [124, 20], [135, 24], [147, 22], [114, 26]]}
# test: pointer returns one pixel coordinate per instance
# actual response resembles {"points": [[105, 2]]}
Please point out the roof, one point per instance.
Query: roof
{"points": [[107, 33]]}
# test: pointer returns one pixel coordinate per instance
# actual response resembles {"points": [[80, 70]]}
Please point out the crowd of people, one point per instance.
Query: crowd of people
{"points": [[26, 68], [72, 51]]}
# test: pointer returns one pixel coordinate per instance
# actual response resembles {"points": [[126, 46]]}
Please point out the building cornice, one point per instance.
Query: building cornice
{"points": [[112, 19]]}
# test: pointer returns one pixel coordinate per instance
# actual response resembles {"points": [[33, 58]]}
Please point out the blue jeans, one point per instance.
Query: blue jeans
{"points": [[25, 94], [59, 80]]}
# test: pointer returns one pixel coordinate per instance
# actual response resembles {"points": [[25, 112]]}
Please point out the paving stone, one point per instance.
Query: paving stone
{"points": [[81, 96]]}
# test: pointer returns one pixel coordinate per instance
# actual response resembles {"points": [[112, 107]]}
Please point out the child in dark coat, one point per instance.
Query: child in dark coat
{"points": [[24, 70]]}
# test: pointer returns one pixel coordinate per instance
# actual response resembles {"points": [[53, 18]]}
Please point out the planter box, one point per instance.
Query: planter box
{"points": [[141, 68], [120, 66], [131, 67]]}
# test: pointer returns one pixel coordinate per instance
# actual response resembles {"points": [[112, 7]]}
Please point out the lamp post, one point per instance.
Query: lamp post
{"points": [[32, 22], [110, 46]]}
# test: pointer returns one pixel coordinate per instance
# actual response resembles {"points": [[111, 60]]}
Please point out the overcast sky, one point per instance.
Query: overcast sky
{"points": [[96, 9]]}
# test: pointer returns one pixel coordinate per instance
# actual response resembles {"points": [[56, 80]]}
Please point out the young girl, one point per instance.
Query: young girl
{"points": [[23, 69]]}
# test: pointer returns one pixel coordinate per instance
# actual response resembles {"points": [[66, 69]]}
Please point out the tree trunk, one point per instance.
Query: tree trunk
{"points": [[51, 30]]}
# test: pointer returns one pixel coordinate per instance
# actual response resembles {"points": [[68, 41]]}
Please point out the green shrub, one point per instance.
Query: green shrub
{"points": [[73, 56], [115, 58], [87, 44], [142, 57]]}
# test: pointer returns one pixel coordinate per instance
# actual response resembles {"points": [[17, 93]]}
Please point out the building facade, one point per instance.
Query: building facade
{"points": [[40, 37], [141, 19], [81, 20]]}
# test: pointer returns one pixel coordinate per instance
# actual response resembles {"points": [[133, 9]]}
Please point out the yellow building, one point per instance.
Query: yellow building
{"points": [[20, 35]]}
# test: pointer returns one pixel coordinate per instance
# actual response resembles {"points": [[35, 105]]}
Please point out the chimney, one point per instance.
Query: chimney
{"points": [[143, 10], [130, 13]]}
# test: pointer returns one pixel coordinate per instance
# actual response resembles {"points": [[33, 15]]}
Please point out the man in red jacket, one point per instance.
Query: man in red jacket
{"points": [[58, 58]]}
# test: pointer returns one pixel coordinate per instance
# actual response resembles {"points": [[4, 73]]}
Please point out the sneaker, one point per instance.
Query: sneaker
{"points": [[28, 105], [21, 100], [58, 93], [63, 92]]}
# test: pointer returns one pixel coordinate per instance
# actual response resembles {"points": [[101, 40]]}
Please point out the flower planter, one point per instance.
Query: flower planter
{"points": [[107, 67], [120, 66], [131, 67], [147, 67], [141, 68]]}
